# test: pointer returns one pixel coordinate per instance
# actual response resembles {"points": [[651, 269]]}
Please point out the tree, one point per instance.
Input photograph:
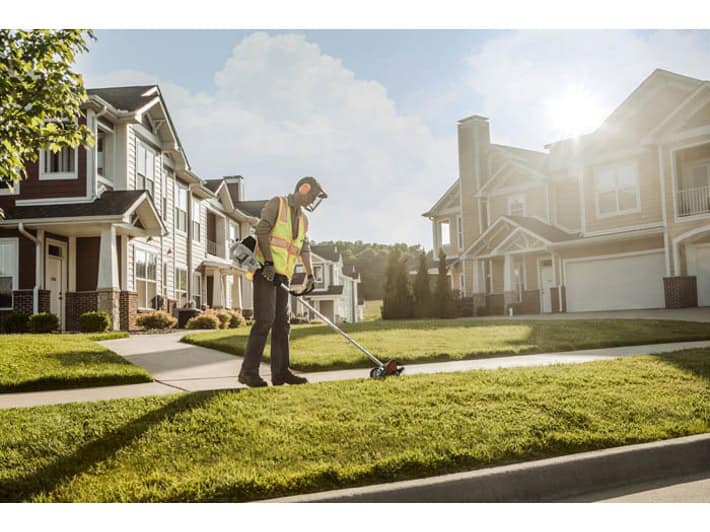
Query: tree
{"points": [[422, 290], [40, 96], [443, 307], [397, 301]]}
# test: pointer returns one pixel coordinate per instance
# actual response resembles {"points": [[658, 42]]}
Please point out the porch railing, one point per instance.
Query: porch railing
{"points": [[212, 247], [693, 201]]}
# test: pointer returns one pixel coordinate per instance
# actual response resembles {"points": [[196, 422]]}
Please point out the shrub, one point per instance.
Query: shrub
{"points": [[206, 320], [92, 322], [43, 322], [157, 319], [222, 315], [236, 320], [14, 322]]}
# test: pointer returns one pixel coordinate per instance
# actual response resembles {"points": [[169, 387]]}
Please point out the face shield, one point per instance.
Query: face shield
{"points": [[312, 190]]}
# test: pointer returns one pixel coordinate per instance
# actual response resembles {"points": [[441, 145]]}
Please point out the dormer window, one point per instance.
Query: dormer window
{"points": [[516, 205], [60, 165]]}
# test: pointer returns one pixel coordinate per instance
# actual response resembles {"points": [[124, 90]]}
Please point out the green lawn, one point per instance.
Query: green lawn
{"points": [[318, 348], [30, 362], [261, 443]]}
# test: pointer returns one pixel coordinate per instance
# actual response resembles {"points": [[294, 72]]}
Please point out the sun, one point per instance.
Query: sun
{"points": [[576, 111]]}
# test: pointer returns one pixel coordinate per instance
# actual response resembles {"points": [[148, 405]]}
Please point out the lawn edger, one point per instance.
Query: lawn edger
{"points": [[242, 252]]}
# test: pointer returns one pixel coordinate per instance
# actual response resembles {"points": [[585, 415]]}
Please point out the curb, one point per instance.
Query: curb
{"points": [[541, 480]]}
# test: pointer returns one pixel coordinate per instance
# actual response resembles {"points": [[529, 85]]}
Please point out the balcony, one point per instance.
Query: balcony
{"points": [[212, 247], [692, 201]]}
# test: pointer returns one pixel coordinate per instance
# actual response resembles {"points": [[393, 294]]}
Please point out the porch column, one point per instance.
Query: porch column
{"points": [[237, 292], [71, 266], [107, 286], [509, 294], [224, 287], [217, 290], [479, 292]]}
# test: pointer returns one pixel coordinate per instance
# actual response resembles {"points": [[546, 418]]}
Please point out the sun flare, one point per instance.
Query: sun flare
{"points": [[575, 112]]}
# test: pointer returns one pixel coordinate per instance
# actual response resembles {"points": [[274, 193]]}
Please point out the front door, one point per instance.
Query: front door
{"points": [[56, 278], [547, 281]]}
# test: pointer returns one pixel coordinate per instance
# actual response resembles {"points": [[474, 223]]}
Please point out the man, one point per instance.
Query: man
{"points": [[281, 240]]}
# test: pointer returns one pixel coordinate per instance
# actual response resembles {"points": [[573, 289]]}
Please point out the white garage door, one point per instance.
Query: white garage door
{"points": [[625, 282], [702, 267]]}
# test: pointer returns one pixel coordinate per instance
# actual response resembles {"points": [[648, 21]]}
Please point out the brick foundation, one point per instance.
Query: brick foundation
{"points": [[128, 310], [531, 302], [479, 303], [495, 303], [76, 304], [44, 300], [680, 292], [22, 301]]}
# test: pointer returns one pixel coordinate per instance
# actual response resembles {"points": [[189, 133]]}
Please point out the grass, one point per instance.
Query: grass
{"points": [[317, 348], [262, 443], [31, 362], [373, 309]]}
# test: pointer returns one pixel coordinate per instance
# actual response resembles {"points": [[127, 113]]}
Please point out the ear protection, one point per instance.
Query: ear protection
{"points": [[304, 189]]}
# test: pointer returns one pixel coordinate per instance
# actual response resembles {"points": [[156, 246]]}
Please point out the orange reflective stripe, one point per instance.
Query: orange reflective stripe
{"points": [[279, 242], [283, 210]]}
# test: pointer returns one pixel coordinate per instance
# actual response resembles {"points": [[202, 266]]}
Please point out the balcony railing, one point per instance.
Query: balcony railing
{"points": [[693, 201], [212, 247]]}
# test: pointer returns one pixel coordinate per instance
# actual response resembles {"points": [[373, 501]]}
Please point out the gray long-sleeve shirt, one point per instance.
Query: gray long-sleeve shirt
{"points": [[268, 218]]}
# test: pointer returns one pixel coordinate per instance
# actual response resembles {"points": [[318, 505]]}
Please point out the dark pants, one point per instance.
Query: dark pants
{"points": [[271, 309]]}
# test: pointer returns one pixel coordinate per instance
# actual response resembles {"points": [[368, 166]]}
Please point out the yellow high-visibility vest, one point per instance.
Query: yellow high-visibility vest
{"points": [[285, 250]]}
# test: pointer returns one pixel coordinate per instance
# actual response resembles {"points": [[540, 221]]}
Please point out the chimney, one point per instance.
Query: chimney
{"points": [[474, 142], [235, 185]]}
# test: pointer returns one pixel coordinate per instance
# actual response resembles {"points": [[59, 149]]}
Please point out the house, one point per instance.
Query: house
{"points": [[616, 219], [337, 293], [124, 226]]}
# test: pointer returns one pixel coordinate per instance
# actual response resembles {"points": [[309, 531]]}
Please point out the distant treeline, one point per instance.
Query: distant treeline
{"points": [[370, 259]]}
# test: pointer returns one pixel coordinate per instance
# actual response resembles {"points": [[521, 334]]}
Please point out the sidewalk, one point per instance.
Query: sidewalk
{"points": [[178, 367]]}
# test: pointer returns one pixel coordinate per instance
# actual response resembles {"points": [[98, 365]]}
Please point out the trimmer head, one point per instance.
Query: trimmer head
{"points": [[388, 369]]}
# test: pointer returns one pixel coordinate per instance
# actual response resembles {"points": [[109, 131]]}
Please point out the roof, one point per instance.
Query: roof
{"points": [[252, 208], [327, 251], [111, 203], [298, 278], [350, 270], [213, 184], [125, 98], [546, 231], [332, 290], [536, 158]]}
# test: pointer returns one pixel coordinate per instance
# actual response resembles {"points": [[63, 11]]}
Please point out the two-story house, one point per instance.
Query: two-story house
{"points": [[123, 226], [616, 219]]}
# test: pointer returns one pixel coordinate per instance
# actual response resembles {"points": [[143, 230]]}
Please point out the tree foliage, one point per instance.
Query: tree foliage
{"points": [[397, 300], [422, 290], [40, 96], [443, 301]]}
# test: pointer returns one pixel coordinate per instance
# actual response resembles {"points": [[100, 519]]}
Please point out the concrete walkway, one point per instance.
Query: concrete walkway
{"points": [[178, 367]]}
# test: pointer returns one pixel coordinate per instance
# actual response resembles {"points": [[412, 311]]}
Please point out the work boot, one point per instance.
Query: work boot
{"points": [[288, 378], [252, 380]]}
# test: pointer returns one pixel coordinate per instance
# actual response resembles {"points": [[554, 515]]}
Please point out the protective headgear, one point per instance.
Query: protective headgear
{"points": [[309, 187]]}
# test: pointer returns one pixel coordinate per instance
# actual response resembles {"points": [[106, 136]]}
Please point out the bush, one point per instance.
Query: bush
{"points": [[222, 315], [43, 322], [93, 322], [236, 320], [157, 319], [206, 320], [14, 322]]}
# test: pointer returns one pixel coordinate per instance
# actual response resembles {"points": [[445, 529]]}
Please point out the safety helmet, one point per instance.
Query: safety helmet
{"points": [[308, 186]]}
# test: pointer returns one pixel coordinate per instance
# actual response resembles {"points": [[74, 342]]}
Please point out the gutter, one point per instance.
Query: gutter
{"points": [[605, 238], [38, 258]]}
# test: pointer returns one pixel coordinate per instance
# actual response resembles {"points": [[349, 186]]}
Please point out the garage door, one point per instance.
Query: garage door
{"points": [[702, 266], [624, 282]]}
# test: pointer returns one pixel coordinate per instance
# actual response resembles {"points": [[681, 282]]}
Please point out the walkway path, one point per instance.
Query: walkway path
{"points": [[180, 367]]}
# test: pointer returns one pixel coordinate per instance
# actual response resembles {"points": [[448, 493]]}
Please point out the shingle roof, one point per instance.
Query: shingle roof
{"points": [[332, 290], [213, 184], [252, 208], [327, 251], [125, 98], [350, 270], [111, 203], [548, 232]]}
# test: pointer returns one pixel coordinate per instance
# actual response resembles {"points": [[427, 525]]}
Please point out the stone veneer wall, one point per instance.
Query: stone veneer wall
{"points": [[680, 292]]}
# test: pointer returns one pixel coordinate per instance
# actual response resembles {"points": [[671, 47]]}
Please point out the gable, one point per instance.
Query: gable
{"points": [[519, 241], [700, 118], [511, 176]]}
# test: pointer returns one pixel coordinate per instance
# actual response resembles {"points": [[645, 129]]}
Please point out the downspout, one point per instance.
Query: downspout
{"points": [[189, 245], [38, 269]]}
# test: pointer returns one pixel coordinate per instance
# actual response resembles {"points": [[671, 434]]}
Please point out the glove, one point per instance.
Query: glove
{"points": [[310, 283], [268, 271]]}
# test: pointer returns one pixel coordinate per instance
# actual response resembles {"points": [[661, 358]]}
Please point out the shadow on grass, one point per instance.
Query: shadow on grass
{"points": [[693, 361], [46, 479]]}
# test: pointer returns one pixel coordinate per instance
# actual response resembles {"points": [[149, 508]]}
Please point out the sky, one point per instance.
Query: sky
{"points": [[372, 113]]}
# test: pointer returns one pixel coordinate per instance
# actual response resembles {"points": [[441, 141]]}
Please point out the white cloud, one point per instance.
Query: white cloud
{"points": [[522, 75], [282, 109]]}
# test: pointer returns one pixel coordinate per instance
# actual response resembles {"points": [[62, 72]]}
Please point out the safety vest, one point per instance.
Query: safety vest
{"points": [[285, 250]]}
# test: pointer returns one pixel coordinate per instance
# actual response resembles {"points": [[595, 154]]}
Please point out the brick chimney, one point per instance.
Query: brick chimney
{"points": [[474, 141]]}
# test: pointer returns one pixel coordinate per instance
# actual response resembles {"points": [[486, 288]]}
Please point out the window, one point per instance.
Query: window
{"points": [[318, 274], [146, 270], [100, 153], [181, 208], [8, 271], [462, 284], [444, 233], [459, 230], [8, 188], [233, 232], [516, 205], [181, 286], [196, 218], [197, 289], [617, 189], [59, 165], [145, 169]]}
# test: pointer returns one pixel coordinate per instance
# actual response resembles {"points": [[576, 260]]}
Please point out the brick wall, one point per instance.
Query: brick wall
{"points": [[680, 292], [44, 300], [128, 309], [76, 304], [531, 302], [555, 299], [22, 301], [495, 303]]}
